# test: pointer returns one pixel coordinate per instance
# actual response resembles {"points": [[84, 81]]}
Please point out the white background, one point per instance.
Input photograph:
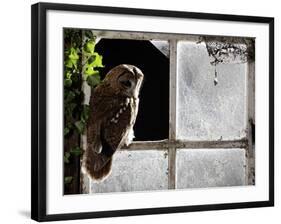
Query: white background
{"points": [[15, 111]]}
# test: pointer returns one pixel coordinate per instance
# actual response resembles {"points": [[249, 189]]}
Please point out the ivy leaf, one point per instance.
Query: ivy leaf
{"points": [[93, 80], [67, 74], [67, 154], [90, 46], [85, 113], [73, 54], [66, 131], [68, 179], [69, 108], [89, 34], [67, 82], [73, 57], [68, 63], [94, 61], [91, 59], [80, 125], [66, 157], [69, 96], [89, 71], [75, 77], [97, 63], [76, 151]]}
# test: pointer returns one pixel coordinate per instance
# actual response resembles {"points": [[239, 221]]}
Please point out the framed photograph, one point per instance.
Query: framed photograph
{"points": [[138, 111]]}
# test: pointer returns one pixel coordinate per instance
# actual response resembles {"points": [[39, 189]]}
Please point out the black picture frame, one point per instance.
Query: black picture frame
{"points": [[39, 122]]}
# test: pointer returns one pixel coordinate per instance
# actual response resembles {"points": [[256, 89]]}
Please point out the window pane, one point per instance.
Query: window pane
{"points": [[197, 168], [136, 171], [152, 59], [205, 109]]}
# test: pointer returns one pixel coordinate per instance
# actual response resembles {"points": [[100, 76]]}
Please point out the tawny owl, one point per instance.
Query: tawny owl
{"points": [[113, 112]]}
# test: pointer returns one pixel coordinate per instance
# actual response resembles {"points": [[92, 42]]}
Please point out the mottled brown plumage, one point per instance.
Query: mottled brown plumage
{"points": [[113, 111]]}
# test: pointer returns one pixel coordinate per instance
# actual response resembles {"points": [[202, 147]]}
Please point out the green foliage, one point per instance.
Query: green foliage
{"points": [[66, 157], [81, 63], [76, 151], [93, 80], [89, 47], [68, 179], [93, 61], [65, 131], [72, 58], [85, 113], [80, 126]]}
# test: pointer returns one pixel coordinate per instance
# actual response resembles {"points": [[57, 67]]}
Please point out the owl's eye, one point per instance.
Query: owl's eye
{"points": [[126, 83]]}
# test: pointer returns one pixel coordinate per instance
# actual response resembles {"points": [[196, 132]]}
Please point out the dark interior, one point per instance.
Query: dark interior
{"points": [[153, 117]]}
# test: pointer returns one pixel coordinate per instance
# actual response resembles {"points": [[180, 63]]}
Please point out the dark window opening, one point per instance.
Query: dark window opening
{"points": [[153, 117]]}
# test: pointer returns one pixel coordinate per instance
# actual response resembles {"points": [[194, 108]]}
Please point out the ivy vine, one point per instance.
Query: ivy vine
{"points": [[81, 64]]}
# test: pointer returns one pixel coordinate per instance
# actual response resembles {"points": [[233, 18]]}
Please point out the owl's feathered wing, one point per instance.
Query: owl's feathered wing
{"points": [[111, 119]]}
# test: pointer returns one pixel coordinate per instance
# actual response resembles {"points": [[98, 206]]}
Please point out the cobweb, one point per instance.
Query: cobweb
{"points": [[226, 50], [229, 50]]}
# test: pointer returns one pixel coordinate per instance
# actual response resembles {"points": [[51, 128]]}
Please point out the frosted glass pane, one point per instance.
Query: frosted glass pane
{"points": [[197, 168], [136, 171], [162, 45], [206, 110]]}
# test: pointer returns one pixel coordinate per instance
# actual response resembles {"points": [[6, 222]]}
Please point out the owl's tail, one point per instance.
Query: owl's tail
{"points": [[97, 165]]}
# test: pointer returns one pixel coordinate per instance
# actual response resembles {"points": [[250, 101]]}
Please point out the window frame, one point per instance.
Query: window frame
{"points": [[172, 144]]}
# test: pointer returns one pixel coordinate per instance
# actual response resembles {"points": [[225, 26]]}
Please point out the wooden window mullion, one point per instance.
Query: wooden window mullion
{"points": [[172, 115]]}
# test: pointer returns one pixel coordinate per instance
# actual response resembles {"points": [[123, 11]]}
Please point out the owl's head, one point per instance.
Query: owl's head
{"points": [[125, 79]]}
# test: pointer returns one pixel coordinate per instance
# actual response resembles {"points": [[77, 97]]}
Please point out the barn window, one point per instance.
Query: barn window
{"points": [[153, 117], [195, 126]]}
